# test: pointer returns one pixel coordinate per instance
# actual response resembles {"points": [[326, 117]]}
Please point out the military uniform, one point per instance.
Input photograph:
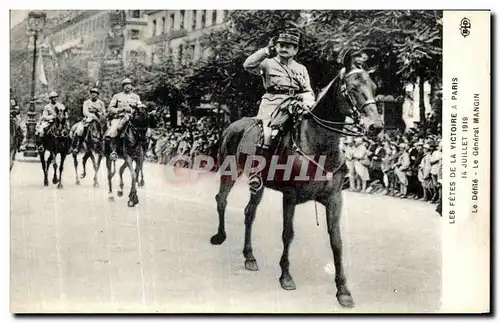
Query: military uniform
{"points": [[92, 110], [119, 110], [50, 112], [281, 81]]}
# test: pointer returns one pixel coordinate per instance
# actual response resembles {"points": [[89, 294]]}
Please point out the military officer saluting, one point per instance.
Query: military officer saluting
{"points": [[119, 111], [93, 109], [282, 76]]}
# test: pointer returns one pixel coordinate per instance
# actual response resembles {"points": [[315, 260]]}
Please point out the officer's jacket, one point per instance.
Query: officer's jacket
{"points": [[52, 110], [90, 107], [278, 77], [124, 101]]}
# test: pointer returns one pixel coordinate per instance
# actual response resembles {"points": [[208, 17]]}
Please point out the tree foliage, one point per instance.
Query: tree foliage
{"points": [[399, 45]]}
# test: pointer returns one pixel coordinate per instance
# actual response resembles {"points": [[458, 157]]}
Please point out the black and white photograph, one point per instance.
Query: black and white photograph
{"points": [[238, 161]]}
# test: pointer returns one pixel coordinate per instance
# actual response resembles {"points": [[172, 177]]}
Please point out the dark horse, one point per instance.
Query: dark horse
{"points": [[91, 145], [131, 148], [57, 142], [145, 141], [316, 134]]}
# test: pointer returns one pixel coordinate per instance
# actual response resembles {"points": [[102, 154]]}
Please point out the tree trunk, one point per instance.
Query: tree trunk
{"points": [[421, 98]]}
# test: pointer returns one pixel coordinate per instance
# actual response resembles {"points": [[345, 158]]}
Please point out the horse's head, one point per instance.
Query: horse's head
{"points": [[356, 95]]}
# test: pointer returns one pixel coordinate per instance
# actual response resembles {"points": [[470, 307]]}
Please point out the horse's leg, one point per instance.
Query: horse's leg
{"points": [[61, 168], [141, 174], [286, 279], [54, 166], [84, 163], [333, 210], [250, 210], [120, 172], [132, 196], [44, 167], [96, 167], [226, 184], [110, 177], [75, 163]]}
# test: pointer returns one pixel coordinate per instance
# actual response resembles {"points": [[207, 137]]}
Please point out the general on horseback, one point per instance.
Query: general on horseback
{"points": [[310, 143], [287, 84], [119, 112], [93, 111]]}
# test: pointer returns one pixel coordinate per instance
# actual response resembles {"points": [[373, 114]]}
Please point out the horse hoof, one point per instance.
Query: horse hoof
{"points": [[345, 299], [218, 239], [141, 184], [96, 184], [287, 283], [83, 176], [54, 181], [60, 186], [111, 198], [131, 203], [45, 183], [119, 193], [135, 199], [77, 182], [251, 265]]}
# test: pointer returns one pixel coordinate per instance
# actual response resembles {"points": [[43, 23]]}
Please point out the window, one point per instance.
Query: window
{"points": [[152, 58], [172, 21], [225, 13], [193, 21], [203, 18], [92, 25], [182, 19], [134, 34], [154, 27], [136, 14], [162, 25], [213, 20]]}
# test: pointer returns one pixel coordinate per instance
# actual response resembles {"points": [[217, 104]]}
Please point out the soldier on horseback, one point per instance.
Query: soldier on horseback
{"points": [[286, 82], [93, 109], [50, 112], [119, 111]]}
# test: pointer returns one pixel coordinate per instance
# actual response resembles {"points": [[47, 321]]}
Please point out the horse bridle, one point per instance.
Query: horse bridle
{"points": [[353, 107]]}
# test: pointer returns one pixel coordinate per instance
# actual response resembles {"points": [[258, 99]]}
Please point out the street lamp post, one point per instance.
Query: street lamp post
{"points": [[36, 22]]}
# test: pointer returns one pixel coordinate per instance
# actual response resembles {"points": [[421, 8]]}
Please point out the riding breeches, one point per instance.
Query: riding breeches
{"points": [[115, 127], [41, 127]]}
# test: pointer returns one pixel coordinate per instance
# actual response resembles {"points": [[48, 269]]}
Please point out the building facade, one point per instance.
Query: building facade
{"points": [[177, 33]]}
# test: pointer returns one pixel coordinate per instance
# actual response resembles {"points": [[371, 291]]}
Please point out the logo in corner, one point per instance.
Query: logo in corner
{"points": [[465, 27]]}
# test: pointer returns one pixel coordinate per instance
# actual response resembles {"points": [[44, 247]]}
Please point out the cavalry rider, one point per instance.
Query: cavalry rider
{"points": [[283, 79], [119, 111], [93, 109], [15, 116], [50, 112]]}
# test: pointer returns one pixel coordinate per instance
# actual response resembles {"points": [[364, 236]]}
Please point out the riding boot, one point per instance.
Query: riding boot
{"points": [[113, 144]]}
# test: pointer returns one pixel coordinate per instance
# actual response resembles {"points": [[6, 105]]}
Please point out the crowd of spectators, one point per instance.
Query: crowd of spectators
{"points": [[401, 165]]}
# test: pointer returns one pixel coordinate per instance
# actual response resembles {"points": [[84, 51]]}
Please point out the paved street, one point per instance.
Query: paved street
{"points": [[73, 250]]}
